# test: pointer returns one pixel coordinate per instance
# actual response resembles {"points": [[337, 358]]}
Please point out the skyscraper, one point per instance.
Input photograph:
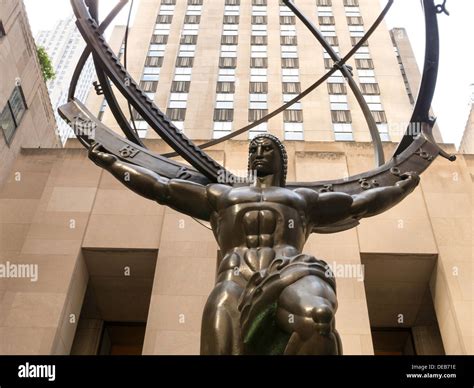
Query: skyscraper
{"points": [[467, 141], [409, 69], [215, 67], [64, 45]]}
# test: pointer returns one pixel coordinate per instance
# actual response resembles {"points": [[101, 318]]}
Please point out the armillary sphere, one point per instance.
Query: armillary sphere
{"points": [[416, 151]]}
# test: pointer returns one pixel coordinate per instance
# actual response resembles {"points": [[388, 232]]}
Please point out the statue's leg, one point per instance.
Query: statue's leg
{"points": [[220, 330], [306, 310]]}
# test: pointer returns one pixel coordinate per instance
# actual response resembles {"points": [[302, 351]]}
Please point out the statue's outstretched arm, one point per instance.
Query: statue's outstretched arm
{"points": [[376, 201], [333, 208], [186, 197]]}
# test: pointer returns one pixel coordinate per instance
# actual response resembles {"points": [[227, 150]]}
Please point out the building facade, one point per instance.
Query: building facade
{"points": [[467, 142], [64, 45], [118, 274], [212, 83], [26, 116], [409, 69]]}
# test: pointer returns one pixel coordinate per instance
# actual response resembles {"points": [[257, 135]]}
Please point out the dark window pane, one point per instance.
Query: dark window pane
{"points": [[7, 124], [17, 104]]}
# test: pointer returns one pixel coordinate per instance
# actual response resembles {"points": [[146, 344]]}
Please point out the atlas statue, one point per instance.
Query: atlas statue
{"points": [[261, 230], [269, 297]]}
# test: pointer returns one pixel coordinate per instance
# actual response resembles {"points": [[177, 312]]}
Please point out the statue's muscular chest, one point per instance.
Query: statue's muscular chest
{"points": [[257, 213], [261, 197]]}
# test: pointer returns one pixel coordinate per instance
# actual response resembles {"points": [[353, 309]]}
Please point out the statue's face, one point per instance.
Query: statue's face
{"points": [[264, 157]]}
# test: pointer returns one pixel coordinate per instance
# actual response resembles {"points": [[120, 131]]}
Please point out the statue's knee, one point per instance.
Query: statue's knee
{"points": [[323, 314], [323, 317], [305, 313]]}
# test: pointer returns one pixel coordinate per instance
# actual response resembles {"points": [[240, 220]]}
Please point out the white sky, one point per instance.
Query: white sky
{"points": [[452, 98]]}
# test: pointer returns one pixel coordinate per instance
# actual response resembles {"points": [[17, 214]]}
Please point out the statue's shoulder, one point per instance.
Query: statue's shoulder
{"points": [[217, 189], [308, 194]]}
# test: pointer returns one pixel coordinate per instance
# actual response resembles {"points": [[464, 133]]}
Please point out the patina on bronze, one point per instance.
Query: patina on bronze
{"points": [[269, 298]]}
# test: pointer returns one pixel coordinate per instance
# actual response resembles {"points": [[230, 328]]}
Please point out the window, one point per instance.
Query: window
{"points": [[332, 40], [227, 62], [364, 64], [293, 116], [287, 20], [259, 19], [371, 88], [180, 86], [257, 114], [7, 123], [290, 63], [379, 117], [341, 116], [258, 87], [189, 39], [149, 86], [159, 39], [291, 88], [326, 20], [225, 87], [176, 114], [259, 40], [226, 115], [12, 114], [257, 63], [2, 30], [355, 20], [184, 62], [192, 19], [164, 19], [230, 39], [231, 19]]}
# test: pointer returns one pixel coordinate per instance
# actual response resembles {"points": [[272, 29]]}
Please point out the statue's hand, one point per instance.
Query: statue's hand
{"points": [[409, 180], [98, 155]]}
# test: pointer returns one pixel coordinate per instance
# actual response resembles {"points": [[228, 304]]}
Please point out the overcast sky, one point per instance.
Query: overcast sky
{"points": [[456, 76]]}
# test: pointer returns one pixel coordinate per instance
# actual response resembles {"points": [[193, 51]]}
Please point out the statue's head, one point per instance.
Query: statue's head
{"points": [[267, 156]]}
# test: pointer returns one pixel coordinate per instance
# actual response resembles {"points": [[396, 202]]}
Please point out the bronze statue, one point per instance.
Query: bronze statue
{"points": [[269, 297]]}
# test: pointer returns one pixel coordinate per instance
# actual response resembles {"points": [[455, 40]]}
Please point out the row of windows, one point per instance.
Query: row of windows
{"points": [[258, 88], [293, 117], [224, 107], [340, 111], [366, 74], [178, 101]]}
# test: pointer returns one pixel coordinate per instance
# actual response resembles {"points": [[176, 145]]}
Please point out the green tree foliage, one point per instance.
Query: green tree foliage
{"points": [[46, 65]]}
